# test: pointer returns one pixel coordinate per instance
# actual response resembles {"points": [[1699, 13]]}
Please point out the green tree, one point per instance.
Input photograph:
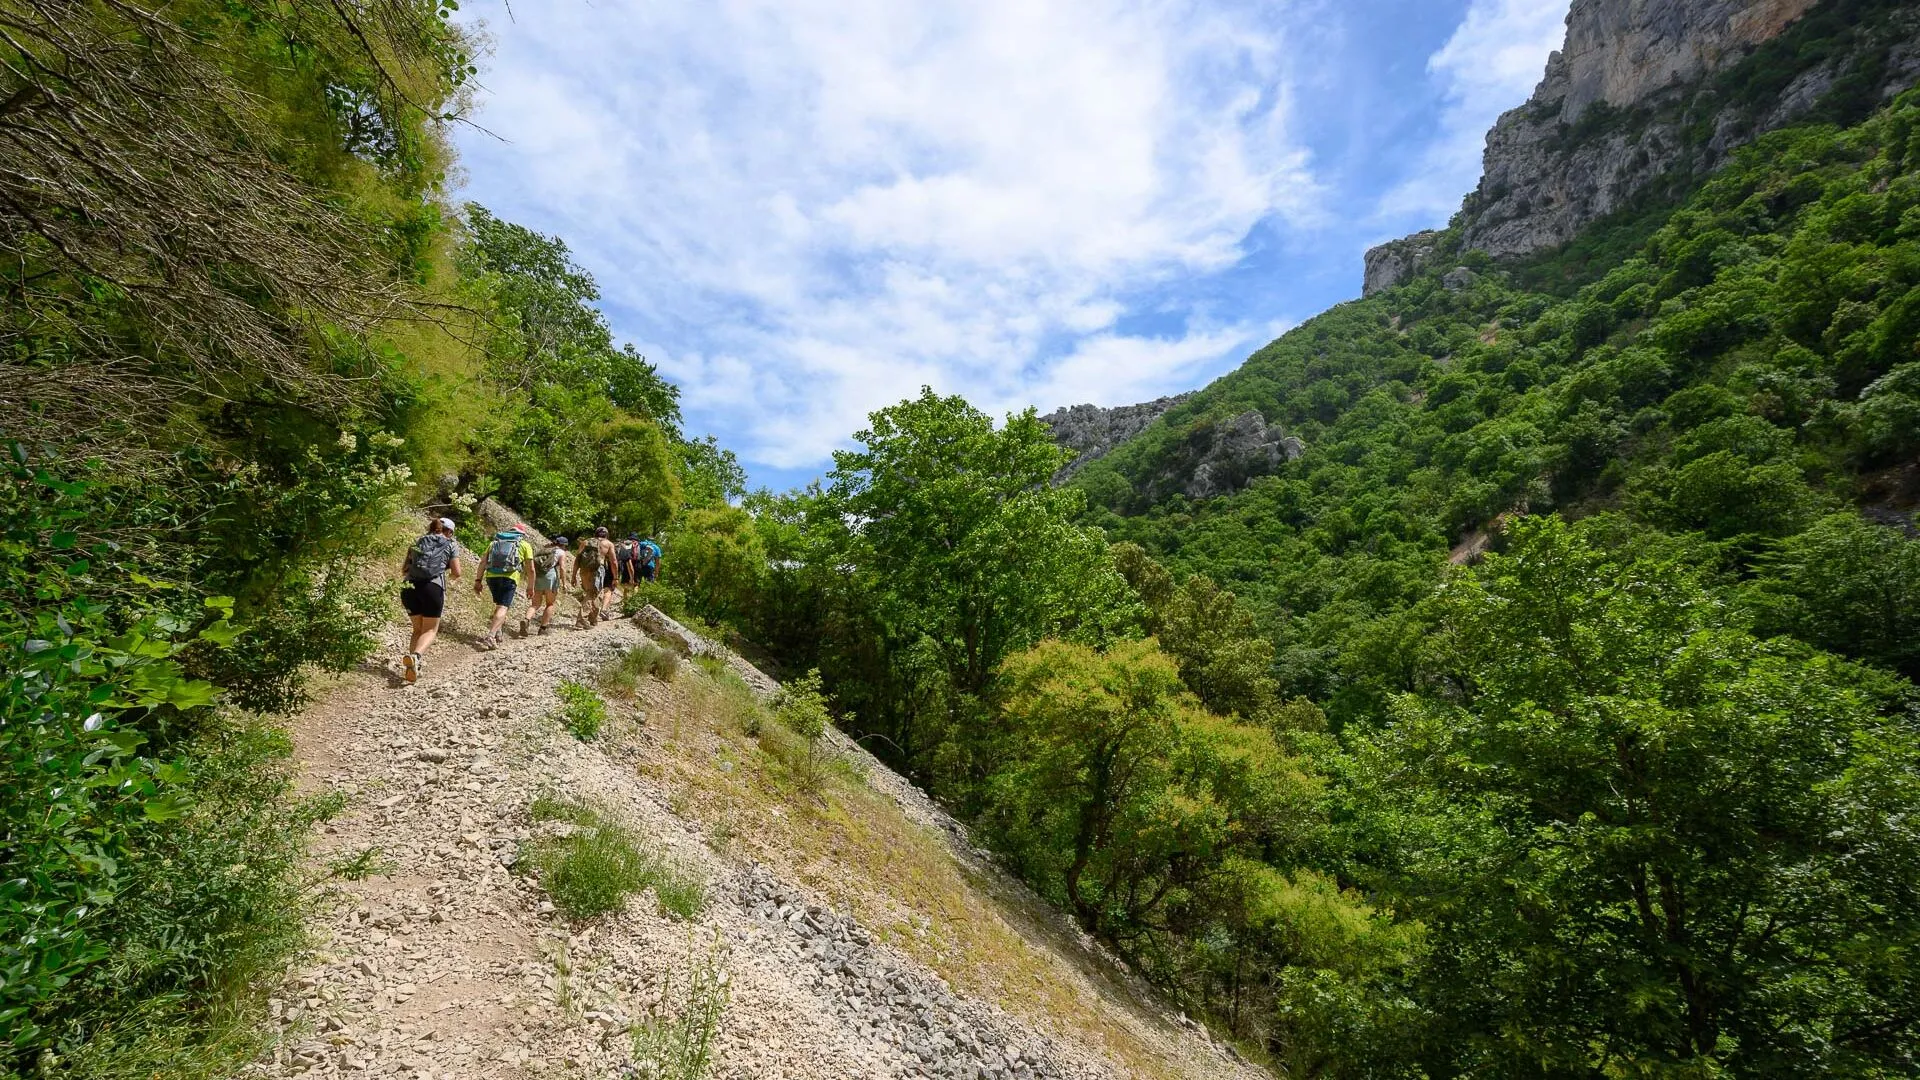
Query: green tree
{"points": [[718, 561], [1847, 585], [1645, 841], [1121, 797], [967, 554]]}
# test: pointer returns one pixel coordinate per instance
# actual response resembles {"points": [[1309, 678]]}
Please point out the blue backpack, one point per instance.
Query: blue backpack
{"points": [[503, 555]]}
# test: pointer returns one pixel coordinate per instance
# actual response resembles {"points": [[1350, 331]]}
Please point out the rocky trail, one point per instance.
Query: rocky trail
{"points": [[853, 936]]}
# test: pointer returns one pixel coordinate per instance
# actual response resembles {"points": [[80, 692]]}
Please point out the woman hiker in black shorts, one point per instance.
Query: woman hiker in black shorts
{"points": [[431, 560]]}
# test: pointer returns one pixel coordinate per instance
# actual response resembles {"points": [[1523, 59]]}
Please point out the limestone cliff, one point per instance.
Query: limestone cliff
{"points": [[1646, 91], [1092, 431]]}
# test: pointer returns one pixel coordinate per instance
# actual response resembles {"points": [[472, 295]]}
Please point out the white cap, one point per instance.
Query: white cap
{"points": [[447, 524]]}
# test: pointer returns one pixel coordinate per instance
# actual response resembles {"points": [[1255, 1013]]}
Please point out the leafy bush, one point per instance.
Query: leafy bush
{"points": [[1636, 833], [581, 710], [147, 844], [801, 708], [1847, 585]]}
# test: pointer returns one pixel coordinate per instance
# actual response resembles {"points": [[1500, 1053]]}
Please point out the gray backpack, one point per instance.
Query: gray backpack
{"points": [[429, 557]]}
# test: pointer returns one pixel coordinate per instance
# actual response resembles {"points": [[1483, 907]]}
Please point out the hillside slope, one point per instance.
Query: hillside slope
{"points": [[857, 932], [1741, 367]]}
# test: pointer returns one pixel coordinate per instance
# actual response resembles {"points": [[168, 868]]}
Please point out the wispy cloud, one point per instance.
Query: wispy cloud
{"points": [[1491, 64], [805, 209]]}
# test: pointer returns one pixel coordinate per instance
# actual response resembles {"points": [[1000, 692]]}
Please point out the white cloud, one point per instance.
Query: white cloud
{"points": [[1491, 64], [812, 207]]}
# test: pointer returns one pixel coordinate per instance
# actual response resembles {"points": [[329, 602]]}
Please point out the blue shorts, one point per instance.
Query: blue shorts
{"points": [[502, 589]]}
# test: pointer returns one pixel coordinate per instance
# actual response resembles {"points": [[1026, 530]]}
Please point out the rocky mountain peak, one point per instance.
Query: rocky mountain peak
{"points": [[1629, 100]]}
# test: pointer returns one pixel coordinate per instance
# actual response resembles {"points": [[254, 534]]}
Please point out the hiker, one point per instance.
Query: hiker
{"points": [[650, 560], [589, 567], [431, 560], [509, 559], [549, 569], [606, 571], [593, 575], [628, 555]]}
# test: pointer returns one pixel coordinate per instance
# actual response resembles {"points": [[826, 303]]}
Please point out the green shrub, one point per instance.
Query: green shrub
{"points": [[146, 844], [581, 710], [599, 863], [802, 709]]}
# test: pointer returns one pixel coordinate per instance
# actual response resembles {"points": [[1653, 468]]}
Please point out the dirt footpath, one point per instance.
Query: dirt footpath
{"points": [[438, 956]]}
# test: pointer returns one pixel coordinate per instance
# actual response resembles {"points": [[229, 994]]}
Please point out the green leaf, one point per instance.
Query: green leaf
{"points": [[192, 694], [222, 633], [165, 808]]}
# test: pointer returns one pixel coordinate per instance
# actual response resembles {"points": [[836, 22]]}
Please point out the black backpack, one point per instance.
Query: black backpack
{"points": [[429, 557]]}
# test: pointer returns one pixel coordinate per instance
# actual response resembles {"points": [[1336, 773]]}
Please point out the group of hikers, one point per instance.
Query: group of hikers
{"points": [[600, 571]]}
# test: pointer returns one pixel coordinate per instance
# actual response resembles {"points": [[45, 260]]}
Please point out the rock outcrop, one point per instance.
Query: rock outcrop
{"points": [[1397, 260], [1631, 101], [1623, 52], [1093, 432], [1237, 452]]}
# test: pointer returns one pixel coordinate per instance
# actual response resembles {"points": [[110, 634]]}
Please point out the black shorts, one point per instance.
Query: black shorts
{"points": [[629, 572], [426, 599]]}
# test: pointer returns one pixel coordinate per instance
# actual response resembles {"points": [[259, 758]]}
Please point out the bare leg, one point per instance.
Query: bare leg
{"points": [[499, 619], [425, 630]]}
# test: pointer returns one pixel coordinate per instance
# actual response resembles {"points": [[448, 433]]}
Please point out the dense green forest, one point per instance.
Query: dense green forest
{"points": [[244, 329], [1551, 715]]}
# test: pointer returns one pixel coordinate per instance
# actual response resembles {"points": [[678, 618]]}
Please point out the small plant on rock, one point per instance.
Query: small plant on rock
{"points": [[622, 677], [581, 710], [593, 866]]}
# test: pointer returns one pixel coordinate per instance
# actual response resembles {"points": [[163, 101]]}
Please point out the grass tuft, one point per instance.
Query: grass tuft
{"points": [[599, 863], [621, 678], [677, 1041]]}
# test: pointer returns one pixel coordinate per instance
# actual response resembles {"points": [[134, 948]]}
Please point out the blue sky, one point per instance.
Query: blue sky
{"points": [[803, 210]]}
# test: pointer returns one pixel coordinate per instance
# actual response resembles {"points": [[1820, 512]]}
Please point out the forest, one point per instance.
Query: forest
{"points": [[1551, 715]]}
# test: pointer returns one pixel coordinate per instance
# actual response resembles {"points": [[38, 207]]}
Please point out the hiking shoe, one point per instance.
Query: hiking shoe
{"points": [[410, 667], [524, 623]]}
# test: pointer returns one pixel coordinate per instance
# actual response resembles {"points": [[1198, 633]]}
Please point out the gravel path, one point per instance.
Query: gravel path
{"points": [[449, 962]]}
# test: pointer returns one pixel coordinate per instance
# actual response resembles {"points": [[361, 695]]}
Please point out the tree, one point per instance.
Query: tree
{"points": [[1120, 796], [967, 552], [717, 559], [710, 475], [1224, 659], [1644, 840], [630, 466], [1847, 585]]}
